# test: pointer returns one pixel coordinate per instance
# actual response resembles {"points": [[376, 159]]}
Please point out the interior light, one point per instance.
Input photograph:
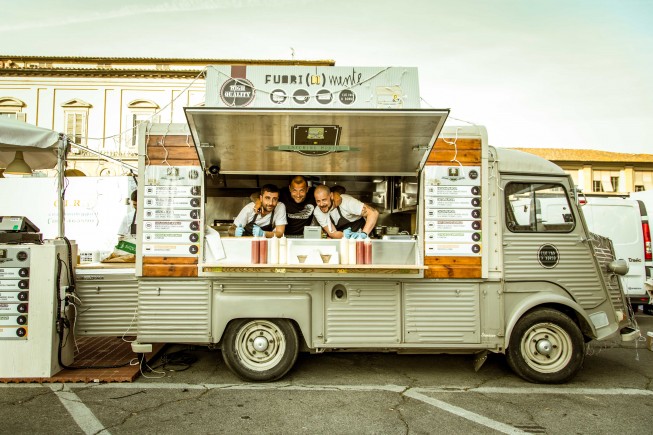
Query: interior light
{"points": [[18, 166]]}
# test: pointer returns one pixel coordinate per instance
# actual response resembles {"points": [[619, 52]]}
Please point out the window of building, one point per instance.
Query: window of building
{"points": [[639, 188], [140, 111], [606, 181], [537, 208], [12, 108], [644, 180], [76, 120]]}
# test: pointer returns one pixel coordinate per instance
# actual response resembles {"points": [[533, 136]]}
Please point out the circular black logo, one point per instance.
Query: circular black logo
{"points": [[194, 226], [548, 256], [23, 296], [194, 202], [193, 237], [300, 96], [24, 272], [476, 225], [324, 96], [476, 202], [476, 190], [473, 174], [193, 249], [195, 190], [476, 237], [476, 249], [21, 332], [21, 320], [21, 256], [278, 96], [347, 97], [237, 92], [476, 213], [194, 214]]}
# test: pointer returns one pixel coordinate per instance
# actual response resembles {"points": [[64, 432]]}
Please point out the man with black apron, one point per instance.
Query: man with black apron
{"points": [[351, 219], [269, 220]]}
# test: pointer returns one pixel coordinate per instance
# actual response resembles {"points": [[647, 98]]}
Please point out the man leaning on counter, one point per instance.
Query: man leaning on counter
{"points": [[351, 219], [269, 220]]}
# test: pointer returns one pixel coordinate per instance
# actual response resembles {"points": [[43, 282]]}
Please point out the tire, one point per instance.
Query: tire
{"points": [[260, 349], [546, 346]]}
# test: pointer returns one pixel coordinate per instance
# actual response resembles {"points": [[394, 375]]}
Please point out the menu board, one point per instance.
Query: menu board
{"points": [[171, 211], [452, 210]]}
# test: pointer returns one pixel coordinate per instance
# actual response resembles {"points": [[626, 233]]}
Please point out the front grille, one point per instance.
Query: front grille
{"points": [[604, 252]]}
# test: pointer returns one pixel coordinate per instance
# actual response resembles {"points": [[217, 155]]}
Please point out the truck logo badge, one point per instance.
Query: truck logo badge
{"points": [[548, 256], [237, 92]]}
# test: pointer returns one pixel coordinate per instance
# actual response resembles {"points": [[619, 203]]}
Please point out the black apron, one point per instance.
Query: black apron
{"points": [[343, 223], [132, 227], [249, 228]]}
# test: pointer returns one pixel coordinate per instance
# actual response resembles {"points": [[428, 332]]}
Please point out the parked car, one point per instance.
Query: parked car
{"points": [[645, 198]]}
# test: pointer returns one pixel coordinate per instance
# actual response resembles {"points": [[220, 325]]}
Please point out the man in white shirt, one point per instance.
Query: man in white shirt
{"points": [[351, 219], [269, 221]]}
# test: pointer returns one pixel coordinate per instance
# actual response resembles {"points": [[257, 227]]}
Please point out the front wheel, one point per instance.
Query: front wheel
{"points": [[260, 350], [546, 346]]}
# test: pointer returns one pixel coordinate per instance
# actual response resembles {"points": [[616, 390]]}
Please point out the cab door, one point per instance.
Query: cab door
{"points": [[545, 242]]}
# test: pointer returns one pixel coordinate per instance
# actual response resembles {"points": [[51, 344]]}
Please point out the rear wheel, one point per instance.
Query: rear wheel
{"points": [[546, 346], [260, 350]]}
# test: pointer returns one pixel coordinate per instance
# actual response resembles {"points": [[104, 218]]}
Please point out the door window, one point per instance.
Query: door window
{"points": [[538, 208]]}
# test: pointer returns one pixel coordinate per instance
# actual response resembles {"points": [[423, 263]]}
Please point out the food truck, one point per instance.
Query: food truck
{"points": [[453, 266]]}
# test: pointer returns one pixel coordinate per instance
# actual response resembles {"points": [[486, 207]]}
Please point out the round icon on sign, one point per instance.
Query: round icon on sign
{"points": [[476, 190], [237, 92], [300, 96], [23, 296], [193, 237], [194, 202], [194, 214], [21, 256], [476, 202], [193, 249], [193, 174], [22, 308], [473, 174], [476, 225], [24, 272], [21, 332], [476, 214], [476, 249], [21, 320], [323, 96], [194, 226], [278, 96], [476, 237], [347, 97], [195, 190], [23, 284]]}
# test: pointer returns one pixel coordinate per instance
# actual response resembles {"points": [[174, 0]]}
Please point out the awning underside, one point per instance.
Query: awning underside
{"points": [[369, 142]]}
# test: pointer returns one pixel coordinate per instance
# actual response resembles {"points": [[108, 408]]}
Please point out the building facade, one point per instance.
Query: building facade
{"points": [[98, 101], [602, 172]]}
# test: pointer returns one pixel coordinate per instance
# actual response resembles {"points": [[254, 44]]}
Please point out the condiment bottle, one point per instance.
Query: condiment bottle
{"points": [[255, 255], [344, 251], [368, 251], [274, 250], [283, 250], [360, 252], [352, 251], [263, 250]]}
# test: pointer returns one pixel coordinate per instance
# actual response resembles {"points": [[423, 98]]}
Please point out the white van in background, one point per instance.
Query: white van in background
{"points": [[645, 199], [622, 220]]}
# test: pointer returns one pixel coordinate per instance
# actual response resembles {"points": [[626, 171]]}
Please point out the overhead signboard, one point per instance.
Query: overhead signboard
{"points": [[312, 87]]}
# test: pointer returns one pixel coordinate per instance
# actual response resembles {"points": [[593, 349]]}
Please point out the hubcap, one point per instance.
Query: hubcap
{"points": [[260, 345], [546, 347]]}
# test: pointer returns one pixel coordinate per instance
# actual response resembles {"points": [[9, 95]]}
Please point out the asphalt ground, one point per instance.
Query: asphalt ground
{"points": [[349, 393]]}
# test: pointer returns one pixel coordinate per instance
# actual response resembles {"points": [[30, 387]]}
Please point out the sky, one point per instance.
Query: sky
{"points": [[535, 73]]}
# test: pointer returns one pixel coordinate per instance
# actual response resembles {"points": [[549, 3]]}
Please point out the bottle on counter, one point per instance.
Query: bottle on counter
{"points": [[368, 250], [255, 251], [360, 252], [344, 251], [283, 250], [352, 251], [263, 250], [273, 256]]}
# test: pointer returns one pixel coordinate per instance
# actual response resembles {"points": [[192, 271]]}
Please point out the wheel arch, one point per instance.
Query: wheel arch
{"points": [[553, 301], [234, 306]]}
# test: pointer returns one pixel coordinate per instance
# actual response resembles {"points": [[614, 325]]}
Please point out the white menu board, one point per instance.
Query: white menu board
{"points": [[171, 211], [452, 210]]}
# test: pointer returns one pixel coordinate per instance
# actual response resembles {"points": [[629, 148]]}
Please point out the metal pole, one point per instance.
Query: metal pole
{"points": [[61, 168]]}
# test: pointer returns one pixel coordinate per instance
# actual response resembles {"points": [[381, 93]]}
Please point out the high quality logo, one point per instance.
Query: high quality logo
{"points": [[237, 92]]}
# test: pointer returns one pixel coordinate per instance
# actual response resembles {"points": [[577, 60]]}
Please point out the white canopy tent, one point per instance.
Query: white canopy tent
{"points": [[42, 149]]}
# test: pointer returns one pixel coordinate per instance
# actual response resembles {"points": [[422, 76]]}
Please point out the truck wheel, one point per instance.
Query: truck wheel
{"points": [[260, 350], [546, 346]]}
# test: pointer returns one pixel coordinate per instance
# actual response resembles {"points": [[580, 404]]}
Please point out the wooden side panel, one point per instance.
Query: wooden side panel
{"points": [[452, 267], [466, 151], [182, 270], [175, 150]]}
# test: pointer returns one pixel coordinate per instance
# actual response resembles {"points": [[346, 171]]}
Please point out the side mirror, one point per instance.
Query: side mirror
{"points": [[619, 267]]}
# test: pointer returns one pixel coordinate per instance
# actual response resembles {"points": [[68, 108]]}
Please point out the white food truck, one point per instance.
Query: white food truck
{"points": [[465, 272]]}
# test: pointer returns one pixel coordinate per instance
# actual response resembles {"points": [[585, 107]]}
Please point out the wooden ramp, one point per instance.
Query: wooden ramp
{"points": [[100, 352]]}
